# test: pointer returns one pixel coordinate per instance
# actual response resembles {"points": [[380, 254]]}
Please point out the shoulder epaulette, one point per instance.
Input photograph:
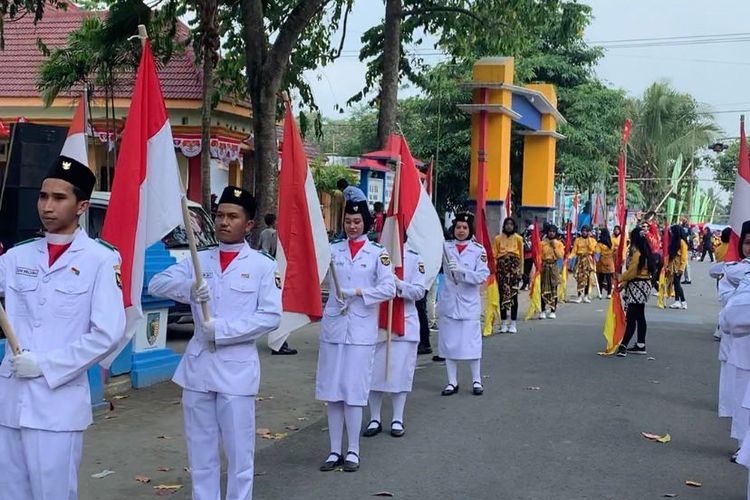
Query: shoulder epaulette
{"points": [[26, 241], [106, 244], [377, 244], [263, 252], [412, 251], [337, 240], [478, 244]]}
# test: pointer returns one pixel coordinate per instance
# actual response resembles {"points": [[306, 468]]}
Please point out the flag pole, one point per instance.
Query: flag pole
{"points": [[10, 336], [186, 220], [396, 195]]}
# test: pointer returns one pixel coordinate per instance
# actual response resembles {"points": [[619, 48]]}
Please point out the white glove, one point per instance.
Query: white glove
{"points": [[452, 265], [348, 293], [399, 285], [209, 330], [201, 293], [25, 365]]}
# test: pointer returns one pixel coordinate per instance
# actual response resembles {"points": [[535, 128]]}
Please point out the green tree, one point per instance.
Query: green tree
{"points": [[10, 10], [725, 166]]}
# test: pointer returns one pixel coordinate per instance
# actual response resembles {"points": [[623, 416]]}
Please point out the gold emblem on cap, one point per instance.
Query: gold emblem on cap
{"points": [[237, 193], [355, 208], [66, 165]]}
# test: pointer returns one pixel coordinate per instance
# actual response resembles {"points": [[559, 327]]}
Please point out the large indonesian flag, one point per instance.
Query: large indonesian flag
{"points": [[303, 252], [145, 203], [76, 145], [741, 201], [417, 218]]}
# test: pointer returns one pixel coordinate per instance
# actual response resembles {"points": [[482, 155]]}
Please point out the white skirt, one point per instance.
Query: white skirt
{"points": [[403, 361], [459, 339], [740, 415], [726, 388], [344, 373]]}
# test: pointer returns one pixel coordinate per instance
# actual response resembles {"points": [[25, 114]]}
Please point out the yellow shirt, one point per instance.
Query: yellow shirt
{"points": [[721, 252], [633, 272], [505, 245], [583, 246], [552, 250], [604, 250], [683, 255]]}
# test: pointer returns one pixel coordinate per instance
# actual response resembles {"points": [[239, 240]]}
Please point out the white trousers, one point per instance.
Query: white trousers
{"points": [[210, 416], [39, 465]]}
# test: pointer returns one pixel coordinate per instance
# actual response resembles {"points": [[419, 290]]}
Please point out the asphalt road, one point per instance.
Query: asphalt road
{"points": [[578, 436]]}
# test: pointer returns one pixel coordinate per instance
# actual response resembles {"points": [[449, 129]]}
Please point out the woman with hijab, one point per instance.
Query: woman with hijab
{"points": [[678, 260], [460, 306], [361, 278], [508, 250], [636, 283]]}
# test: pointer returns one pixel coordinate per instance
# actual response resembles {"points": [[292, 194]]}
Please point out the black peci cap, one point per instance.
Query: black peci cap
{"points": [[238, 196], [359, 207], [74, 172]]}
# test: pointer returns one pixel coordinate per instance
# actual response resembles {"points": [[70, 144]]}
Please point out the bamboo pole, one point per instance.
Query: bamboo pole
{"points": [[395, 197], [186, 220], [10, 336]]}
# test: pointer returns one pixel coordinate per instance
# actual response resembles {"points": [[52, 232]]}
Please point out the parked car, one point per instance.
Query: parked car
{"points": [[175, 242]]}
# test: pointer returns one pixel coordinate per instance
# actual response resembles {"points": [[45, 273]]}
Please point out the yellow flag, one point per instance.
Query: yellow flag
{"points": [[535, 305], [562, 288], [492, 308]]}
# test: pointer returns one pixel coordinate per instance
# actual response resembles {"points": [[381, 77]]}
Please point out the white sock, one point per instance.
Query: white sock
{"points": [[376, 403], [353, 417], [452, 367], [399, 403], [336, 425], [476, 375]]}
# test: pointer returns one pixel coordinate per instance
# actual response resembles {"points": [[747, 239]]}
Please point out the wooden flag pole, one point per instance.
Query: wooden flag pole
{"points": [[10, 336], [395, 196], [186, 220]]}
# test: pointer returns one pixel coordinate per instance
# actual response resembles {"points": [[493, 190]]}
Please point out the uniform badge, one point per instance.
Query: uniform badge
{"points": [[277, 276], [385, 259], [118, 276], [75, 270], [421, 267], [355, 208], [66, 165], [483, 257], [237, 193]]}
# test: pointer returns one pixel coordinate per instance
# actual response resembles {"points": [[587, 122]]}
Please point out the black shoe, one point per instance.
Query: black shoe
{"points": [[733, 458], [687, 282], [622, 351], [477, 390], [330, 465], [284, 350], [449, 390], [637, 350], [437, 358], [397, 433], [424, 349], [372, 431], [350, 466]]}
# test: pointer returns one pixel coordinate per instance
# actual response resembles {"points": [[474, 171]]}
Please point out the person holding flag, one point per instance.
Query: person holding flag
{"points": [[65, 307], [508, 250], [460, 305], [219, 384], [583, 251], [397, 377], [361, 277], [552, 251]]}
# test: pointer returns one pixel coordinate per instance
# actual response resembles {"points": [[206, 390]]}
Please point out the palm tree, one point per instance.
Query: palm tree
{"points": [[666, 123]]}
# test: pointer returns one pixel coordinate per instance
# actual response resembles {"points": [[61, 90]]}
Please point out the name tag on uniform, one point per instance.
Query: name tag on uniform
{"points": [[208, 275], [245, 276], [27, 271]]}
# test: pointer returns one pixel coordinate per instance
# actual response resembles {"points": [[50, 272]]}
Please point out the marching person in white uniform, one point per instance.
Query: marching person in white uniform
{"points": [[460, 305], [349, 332], [220, 371], [65, 305], [403, 352]]}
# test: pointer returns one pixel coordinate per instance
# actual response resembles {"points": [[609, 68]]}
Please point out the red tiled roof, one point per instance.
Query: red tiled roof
{"points": [[20, 61]]}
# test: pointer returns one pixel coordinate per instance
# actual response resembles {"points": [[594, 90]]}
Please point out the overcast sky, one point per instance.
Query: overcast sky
{"points": [[716, 74]]}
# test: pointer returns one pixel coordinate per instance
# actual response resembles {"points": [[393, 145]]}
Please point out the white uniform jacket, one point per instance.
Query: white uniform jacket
{"points": [[411, 290], [245, 303], [370, 271], [459, 297], [71, 316], [735, 316]]}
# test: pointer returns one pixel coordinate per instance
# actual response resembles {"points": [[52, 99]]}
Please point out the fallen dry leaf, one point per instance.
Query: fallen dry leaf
{"points": [[669, 495], [292, 428], [104, 473], [301, 419], [121, 396], [186, 469], [274, 435], [655, 382], [143, 479], [533, 388], [164, 468], [383, 494], [262, 431], [167, 486], [258, 398], [651, 358], [110, 417], [694, 484], [656, 437], [163, 436], [665, 438], [258, 474]]}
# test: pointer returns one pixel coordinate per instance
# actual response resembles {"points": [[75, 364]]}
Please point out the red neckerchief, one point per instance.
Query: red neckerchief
{"points": [[55, 251], [226, 258], [461, 247], [355, 246]]}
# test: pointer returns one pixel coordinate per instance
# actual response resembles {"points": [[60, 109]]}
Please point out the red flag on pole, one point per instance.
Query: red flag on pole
{"points": [[740, 211]]}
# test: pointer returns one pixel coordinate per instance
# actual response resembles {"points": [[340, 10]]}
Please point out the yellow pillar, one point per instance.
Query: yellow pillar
{"points": [[539, 149], [492, 70]]}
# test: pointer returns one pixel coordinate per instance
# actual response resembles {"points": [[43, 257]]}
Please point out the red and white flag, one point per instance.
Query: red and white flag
{"points": [[303, 252], [741, 200], [76, 144], [417, 218], [145, 203]]}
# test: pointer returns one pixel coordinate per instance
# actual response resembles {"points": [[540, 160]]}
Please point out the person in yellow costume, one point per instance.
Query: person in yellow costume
{"points": [[552, 251], [508, 250], [605, 266], [583, 250], [678, 260], [721, 250]]}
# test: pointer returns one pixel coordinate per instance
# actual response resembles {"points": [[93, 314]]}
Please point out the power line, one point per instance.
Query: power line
{"points": [[677, 37]]}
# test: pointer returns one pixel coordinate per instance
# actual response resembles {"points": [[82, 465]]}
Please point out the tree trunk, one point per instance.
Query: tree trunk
{"points": [[391, 59], [208, 96]]}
